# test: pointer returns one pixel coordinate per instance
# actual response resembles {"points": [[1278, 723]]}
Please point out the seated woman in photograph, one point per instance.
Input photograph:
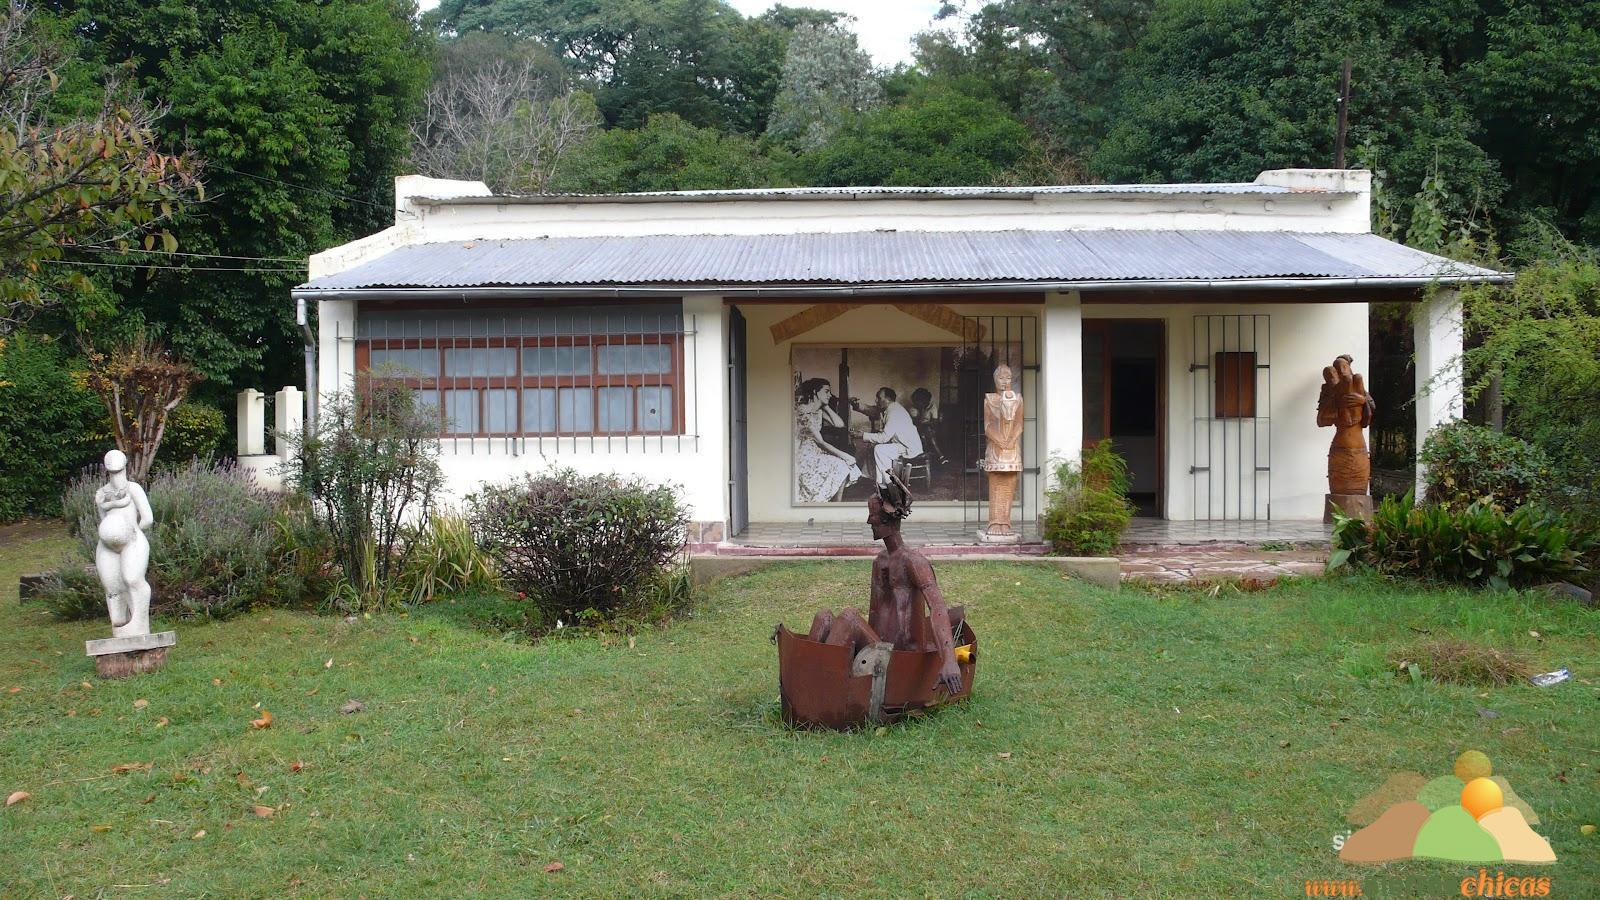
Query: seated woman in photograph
{"points": [[821, 470]]}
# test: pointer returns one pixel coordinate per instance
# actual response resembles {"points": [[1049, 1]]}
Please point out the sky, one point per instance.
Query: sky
{"points": [[885, 27]]}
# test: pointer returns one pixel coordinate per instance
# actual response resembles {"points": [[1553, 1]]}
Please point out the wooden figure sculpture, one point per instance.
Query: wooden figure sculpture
{"points": [[909, 653], [1002, 459], [1346, 405]]}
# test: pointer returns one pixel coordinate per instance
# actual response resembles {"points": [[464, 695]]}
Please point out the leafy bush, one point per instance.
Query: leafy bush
{"points": [[581, 545], [220, 545], [51, 425], [370, 471], [1467, 463], [1480, 544], [445, 559], [1088, 508], [194, 431]]}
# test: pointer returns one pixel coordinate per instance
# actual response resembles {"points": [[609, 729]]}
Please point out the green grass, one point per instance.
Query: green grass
{"points": [[1174, 744]]}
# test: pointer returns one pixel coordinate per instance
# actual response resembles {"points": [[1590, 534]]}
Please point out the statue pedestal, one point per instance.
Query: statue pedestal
{"points": [[120, 657], [1011, 537], [1357, 506]]}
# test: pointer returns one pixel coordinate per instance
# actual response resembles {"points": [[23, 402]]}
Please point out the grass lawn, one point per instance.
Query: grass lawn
{"points": [[1180, 744]]}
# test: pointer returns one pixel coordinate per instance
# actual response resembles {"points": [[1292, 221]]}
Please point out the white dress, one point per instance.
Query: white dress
{"points": [[818, 474]]}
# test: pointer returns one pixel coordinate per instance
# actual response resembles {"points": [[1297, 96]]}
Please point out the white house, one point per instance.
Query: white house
{"points": [[680, 335]]}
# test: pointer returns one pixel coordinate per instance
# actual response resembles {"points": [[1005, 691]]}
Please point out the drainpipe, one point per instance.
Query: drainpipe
{"points": [[309, 337]]}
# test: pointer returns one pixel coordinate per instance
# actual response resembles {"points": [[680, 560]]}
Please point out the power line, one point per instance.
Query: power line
{"points": [[99, 248], [103, 265], [299, 187]]}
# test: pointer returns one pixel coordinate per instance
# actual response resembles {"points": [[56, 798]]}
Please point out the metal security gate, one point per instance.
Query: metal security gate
{"points": [[987, 342], [1231, 374], [738, 428]]}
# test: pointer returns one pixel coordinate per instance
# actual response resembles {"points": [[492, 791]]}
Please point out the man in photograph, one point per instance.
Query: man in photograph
{"points": [[898, 438]]}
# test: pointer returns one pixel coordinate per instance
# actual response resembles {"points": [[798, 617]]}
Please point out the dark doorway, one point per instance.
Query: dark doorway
{"points": [[1124, 399], [738, 427]]}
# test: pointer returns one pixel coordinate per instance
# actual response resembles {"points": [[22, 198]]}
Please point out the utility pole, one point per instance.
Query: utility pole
{"points": [[1344, 116]]}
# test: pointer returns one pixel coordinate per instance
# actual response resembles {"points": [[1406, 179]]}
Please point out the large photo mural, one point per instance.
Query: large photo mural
{"points": [[860, 411]]}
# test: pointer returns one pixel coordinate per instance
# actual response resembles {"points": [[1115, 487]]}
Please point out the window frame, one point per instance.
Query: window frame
{"points": [[1235, 369], [594, 380]]}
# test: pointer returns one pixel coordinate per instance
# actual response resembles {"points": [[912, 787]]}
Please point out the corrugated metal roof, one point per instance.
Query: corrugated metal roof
{"points": [[896, 257]]}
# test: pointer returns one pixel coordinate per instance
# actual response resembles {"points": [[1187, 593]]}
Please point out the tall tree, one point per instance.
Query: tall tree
{"points": [[828, 80], [667, 154]]}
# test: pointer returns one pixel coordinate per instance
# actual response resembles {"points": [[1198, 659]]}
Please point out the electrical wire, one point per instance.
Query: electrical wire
{"points": [[299, 187], [100, 248], [103, 265]]}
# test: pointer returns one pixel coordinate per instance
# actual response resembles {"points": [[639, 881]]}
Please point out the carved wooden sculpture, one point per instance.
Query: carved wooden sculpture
{"points": [[1002, 461], [1346, 405]]}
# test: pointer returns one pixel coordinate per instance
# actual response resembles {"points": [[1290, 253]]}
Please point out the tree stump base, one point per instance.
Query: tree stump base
{"points": [[1356, 506], [121, 657]]}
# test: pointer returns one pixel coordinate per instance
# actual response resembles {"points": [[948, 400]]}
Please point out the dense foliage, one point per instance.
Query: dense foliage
{"points": [[1087, 507], [194, 432], [667, 154], [220, 545], [1479, 544], [581, 546], [51, 425], [1469, 463], [370, 473]]}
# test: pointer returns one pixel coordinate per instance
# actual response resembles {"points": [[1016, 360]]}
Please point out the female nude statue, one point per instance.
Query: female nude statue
{"points": [[123, 553]]}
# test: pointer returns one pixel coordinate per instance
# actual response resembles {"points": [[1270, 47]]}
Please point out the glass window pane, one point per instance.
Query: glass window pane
{"points": [[461, 411], [480, 361], [501, 405], [635, 359], [539, 410], [655, 410], [426, 402], [616, 409], [557, 360], [577, 410], [424, 363]]}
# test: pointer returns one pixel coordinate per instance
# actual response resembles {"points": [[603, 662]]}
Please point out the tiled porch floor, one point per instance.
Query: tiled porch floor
{"points": [[1279, 531]]}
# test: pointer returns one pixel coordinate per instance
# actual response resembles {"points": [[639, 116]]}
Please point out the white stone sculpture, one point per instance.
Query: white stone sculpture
{"points": [[121, 559]]}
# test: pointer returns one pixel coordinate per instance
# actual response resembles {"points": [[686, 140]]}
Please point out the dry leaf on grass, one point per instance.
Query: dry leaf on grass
{"points": [[352, 706], [554, 867], [15, 690], [124, 768], [296, 766], [1006, 755], [263, 812], [140, 703], [198, 835], [163, 722], [264, 722], [99, 829], [17, 797]]}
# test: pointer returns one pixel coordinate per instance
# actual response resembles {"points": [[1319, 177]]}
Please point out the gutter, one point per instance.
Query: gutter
{"points": [[797, 291]]}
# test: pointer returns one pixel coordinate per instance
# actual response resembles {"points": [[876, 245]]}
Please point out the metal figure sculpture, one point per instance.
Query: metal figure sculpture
{"points": [[1346, 405], [910, 652]]}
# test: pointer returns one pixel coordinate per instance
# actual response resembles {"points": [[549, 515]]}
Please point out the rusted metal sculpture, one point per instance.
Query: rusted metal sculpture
{"points": [[1346, 405], [911, 651]]}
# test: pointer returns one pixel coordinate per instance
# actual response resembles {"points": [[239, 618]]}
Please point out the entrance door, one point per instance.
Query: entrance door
{"points": [[738, 428], [1124, 399]]}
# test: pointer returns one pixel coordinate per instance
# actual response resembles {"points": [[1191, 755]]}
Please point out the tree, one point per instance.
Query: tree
{"points": [[668, 154], [140, 384], [937, 136], [300, 109], [71, 181], [828, 80], [505, 123]]}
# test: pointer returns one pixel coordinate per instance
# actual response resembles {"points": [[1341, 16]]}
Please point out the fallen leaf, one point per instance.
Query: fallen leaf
{"points": [[198, 835], [630, 647], [1006, 755], [412, 638], [313, 692], [242, 779], [148, 800], [163, 722], [264, 722], [554, 867], [15, 690], [328, 664], [1284, 744], [124, 768], [99, 829], [1535, 635], [17, 797], [296, 766], [85, 685], [140, 703], [352, 706], [263, 812], [1586, 829], [216, 681], [72, 713]]}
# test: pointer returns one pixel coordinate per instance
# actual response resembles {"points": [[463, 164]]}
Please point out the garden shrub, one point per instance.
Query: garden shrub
{"points": [[1088, 508], [220, 545], [1481, 544], [371, 472], [445, 560], [51, 425], [582, 545], [194, 431], [1467, 463]]}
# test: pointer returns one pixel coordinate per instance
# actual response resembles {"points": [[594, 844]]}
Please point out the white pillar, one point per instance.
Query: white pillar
{"points": [[1062, 407], [252, 413], [1436, 324], [336, 348], [707, 485], [288, 418]]}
